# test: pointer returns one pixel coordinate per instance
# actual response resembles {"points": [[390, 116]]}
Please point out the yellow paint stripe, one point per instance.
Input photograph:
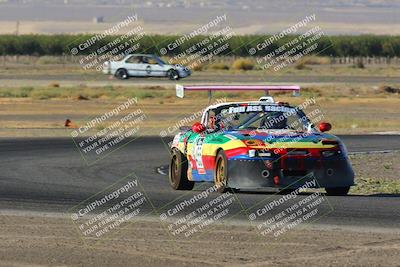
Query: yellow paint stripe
{"points": [[211, 149], [297, 145]]}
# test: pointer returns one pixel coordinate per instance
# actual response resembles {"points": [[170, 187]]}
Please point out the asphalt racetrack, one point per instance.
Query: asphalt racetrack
{"points": [[71, 79], [49, 175]]}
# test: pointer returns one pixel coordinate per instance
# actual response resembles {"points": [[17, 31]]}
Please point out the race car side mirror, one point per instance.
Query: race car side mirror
{"points": [[198, 127], [325, 126]]}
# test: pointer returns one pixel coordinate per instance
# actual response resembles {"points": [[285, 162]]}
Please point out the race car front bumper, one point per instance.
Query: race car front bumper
{"points": [[257, 173]]}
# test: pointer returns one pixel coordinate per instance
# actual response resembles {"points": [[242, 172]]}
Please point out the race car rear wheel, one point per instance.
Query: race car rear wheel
{"points": [[337, 191], [173, 74], [221, 172], [121, 74], [178, 172]]}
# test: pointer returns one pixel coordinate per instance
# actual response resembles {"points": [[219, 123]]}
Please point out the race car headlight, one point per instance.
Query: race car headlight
{"points": [[252, 153]]}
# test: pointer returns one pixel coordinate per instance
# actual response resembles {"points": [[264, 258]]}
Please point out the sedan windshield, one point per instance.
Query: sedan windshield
{"points": [[159, 60]]}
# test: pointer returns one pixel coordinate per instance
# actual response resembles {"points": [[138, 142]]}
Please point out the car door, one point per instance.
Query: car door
{"points": [[133, 66], [156, 69], [200, 153], [195, 144]]}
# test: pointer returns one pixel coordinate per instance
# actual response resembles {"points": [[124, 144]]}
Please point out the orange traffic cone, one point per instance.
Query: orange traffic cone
{"points": [[69, 124]]}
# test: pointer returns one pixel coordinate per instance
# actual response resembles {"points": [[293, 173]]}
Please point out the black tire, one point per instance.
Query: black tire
{"points": [[121, 74], [221, 172], [178, 172], [337, 191], [173, 75]]}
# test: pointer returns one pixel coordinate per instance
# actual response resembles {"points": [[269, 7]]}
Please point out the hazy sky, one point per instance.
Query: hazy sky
{"points": [[247, 16]]}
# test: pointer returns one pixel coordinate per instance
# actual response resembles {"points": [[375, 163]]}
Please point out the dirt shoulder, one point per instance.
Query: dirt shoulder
{"points": [[53, 241], [376, 173], [26, 117]]}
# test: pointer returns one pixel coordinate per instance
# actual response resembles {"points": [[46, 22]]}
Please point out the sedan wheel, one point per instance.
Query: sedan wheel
{"points": [[173, 75], [121, 74]]}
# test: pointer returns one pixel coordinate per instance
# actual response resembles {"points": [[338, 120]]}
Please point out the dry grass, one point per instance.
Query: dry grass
{"points": [[308, 65], [55, 91], [218, 66], [243, 64], [315, 60], [376, 173], [366, 111]]}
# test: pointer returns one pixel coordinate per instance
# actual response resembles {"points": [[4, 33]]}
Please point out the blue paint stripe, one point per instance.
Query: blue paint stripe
{"points": [[207, 177]]}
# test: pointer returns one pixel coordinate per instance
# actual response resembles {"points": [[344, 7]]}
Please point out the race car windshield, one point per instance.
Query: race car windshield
{"points": [[266, 117]]}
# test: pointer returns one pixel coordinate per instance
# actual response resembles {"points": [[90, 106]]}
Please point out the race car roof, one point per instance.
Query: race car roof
{"points": [[215, 106]]}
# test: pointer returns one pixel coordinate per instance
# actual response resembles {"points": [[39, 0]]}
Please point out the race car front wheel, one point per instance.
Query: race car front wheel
{"points": [[178, 172], [173, 75], [221, 172], [121, 74], [337, 191]]}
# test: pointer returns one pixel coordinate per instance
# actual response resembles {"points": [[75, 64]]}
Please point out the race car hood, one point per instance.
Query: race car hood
{"points": [[273, 136]]}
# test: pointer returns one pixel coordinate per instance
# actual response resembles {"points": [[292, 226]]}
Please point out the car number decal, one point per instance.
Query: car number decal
{"points": [[148, 69], [198, 153]]}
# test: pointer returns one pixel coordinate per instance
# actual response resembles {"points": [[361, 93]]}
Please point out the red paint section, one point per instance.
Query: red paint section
{"points": [[209, 162], [236, 152], [192, 163]]}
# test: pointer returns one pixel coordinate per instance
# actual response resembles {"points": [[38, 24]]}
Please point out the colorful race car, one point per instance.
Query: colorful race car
{"points": [[258, 144]]}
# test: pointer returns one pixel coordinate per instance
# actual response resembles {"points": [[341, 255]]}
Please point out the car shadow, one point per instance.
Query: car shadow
{"points": [[163, 170]]}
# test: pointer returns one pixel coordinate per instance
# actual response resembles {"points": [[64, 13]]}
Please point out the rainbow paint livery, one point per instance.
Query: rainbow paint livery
{"points": [[259, 144]]}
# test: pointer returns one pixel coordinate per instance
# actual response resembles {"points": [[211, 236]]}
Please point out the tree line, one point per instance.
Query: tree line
{"points": [[335, 46]]}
